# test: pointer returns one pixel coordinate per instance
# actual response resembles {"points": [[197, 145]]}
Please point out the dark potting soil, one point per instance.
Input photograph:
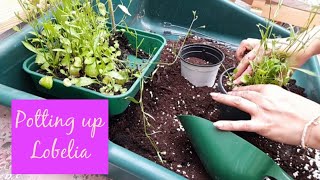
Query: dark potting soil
{"points": [[197, 61], [125, 48], [167, 95]]}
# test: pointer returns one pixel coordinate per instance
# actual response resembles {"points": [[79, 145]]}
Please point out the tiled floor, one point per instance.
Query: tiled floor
{"points": [[5, 156]]}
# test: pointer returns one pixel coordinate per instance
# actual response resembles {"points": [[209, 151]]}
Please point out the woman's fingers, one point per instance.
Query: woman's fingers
{"points": [[257, 88], [240, 125], [243, 48], [237, 102], [247, 71], [245, 63], [253, 96]]}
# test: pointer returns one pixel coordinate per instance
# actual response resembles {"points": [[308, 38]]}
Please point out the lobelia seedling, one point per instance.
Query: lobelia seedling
{"points": [[76, 46], [146, 116]]}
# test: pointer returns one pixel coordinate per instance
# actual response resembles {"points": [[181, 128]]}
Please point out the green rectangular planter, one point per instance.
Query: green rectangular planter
{"points": [[118, 103], [224, 21]]}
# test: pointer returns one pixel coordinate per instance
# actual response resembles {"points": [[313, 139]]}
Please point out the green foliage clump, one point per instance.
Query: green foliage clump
{"points": [[271, 70], [76, 45]]}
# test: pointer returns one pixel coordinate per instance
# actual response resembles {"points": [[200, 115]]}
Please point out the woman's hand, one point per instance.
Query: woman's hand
{"points": [[275, 113], [246, 52], [246, 46], [299, 51]]}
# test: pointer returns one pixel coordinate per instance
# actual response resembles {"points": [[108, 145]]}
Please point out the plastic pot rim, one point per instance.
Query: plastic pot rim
{"points": [[220, 83], [186, 47]]}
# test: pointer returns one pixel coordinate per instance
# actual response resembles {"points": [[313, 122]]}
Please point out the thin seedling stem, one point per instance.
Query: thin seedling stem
{"points": [[111, 13]]}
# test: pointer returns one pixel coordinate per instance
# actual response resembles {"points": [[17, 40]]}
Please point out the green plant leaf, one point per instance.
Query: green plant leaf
{"points": [[91, 70], [116, 44], [62, 71], [137, 74], [46, 82], [59, 50], [40, 59], [77, 62], [45, 66], [132, 99], [36, 40], [102, 9], [74, 33], [110, 66], [49, 28], [106, 80], [245, 79], [116, 75], [85, 81], [117, 87], [16, 28], [235, 71], [33, 33], [118, 53], [66, 60], [124, 9], [65, 41], [123, 90], [103, 89], [112, 49], [106, 60], [88, 60], [74, 71], [30, 47], [67, 82]]}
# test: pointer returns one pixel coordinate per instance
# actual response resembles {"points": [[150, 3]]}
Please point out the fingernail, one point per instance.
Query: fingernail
{"points": [[218, 124], [214, 94], [236, 81], [251, 57], [230, 92], [235, 88]]}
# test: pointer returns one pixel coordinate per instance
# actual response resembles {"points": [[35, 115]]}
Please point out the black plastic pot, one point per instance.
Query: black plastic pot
{"points": [[204, 74], [228, 112], [226, 73]]}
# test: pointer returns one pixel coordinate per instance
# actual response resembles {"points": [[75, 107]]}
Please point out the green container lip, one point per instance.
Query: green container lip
{"points": [[156, 37]]}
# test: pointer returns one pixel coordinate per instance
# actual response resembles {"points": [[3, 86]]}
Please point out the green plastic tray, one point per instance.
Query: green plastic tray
{"points": [[118, 103], [224, 21]]}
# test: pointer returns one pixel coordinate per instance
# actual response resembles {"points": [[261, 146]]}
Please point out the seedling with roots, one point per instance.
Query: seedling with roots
{"points": [[272, 65], [146, 116]]}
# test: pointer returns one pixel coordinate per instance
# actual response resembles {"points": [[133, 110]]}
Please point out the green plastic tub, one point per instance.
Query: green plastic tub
{"points": [[224, 21], [118, 103]]}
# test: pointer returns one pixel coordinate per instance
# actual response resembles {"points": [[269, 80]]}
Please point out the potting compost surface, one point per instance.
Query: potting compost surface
{"points": [[168, 95], [198, 61]]}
